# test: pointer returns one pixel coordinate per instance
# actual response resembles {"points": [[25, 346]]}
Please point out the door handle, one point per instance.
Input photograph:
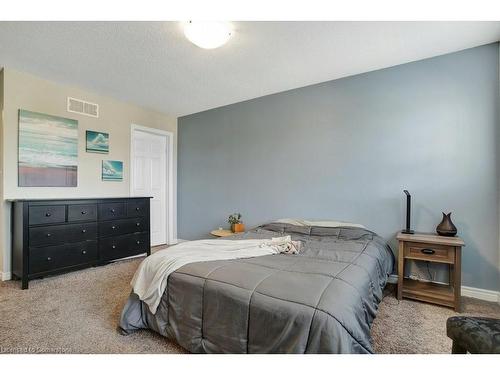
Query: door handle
{"points": [[428, 251]]}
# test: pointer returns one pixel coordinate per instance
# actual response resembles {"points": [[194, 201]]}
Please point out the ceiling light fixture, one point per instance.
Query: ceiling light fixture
{"points": [[207, 34]]}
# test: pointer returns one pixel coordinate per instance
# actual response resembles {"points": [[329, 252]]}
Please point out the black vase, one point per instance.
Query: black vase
{"points": [[446, 226]]}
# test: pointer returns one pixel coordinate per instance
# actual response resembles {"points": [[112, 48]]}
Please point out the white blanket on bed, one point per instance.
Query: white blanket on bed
{"points": [[150, 279]]}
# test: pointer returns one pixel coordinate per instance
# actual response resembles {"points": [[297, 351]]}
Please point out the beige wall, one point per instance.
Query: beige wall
{"points": [[32, 93]]}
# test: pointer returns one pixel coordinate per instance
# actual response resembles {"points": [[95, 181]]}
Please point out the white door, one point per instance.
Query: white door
{"points": [[149, 178]]}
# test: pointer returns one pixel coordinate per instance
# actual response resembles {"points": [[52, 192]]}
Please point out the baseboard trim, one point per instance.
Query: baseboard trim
{"points": [[392, 279], [5, 276], [467, 291], [483, 294], [178, 240]]}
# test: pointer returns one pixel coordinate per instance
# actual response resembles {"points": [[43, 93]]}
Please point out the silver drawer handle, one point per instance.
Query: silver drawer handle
{"points": [[84, 230], [49, 259], [113, 247], [84, 212], [48, 234], [84, 252], [137, 224], [138, 242], [137, 208], [113, 227], [48, 214], [428, 251], [112, 210]]}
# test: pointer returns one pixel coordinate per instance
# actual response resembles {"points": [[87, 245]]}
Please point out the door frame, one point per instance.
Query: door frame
{"points": [[170, 183]]}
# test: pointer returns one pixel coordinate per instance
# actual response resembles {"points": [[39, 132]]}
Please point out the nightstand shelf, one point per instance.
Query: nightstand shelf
{"points": [[435, 249], [429, 292]]}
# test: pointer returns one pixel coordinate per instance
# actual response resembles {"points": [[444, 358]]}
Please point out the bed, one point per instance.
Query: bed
{"points": [[322, 300]]}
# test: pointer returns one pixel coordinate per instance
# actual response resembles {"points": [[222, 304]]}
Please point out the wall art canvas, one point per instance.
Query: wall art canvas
{"points": [[112, 170], [48, 150], [97, 142]]}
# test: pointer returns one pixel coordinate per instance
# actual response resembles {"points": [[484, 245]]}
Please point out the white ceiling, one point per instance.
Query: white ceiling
{"points": [[152, 64]]}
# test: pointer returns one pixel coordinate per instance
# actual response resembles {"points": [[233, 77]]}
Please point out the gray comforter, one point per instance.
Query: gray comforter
{"points": [[322, 300]]}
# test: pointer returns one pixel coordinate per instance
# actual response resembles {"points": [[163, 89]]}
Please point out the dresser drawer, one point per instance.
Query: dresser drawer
{"points": [[433, 253], [137, 207], [123, 246], [119, 227], [115, 210], [82, 212], [54, 257], [46, 214], [59, 234]]}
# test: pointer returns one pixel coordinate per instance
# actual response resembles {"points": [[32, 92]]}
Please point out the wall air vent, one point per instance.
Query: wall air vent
{"points": [[82, 107]]}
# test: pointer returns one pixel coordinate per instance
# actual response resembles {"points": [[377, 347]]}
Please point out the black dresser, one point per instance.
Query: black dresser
{"points": [[61, 235]]}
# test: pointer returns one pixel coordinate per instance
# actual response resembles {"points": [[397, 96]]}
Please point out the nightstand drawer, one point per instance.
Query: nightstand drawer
{"points": [[429, 252]]}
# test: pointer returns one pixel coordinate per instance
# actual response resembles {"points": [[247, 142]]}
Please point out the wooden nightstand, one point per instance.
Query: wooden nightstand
{"points": [[431, 248], [222, 233]]}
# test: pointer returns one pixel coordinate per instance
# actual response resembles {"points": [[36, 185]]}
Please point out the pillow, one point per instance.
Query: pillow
{"points": [[318, 223]]}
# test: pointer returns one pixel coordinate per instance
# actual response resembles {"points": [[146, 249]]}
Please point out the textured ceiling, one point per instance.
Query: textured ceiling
{"points": [[152, 64]]}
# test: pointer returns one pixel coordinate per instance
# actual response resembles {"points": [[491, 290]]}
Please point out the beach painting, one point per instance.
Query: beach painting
{"points": [[48, 150], [97, 142], [112, 170]]}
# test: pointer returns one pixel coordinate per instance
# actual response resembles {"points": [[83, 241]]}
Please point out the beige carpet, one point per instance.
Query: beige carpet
{"points": [[411, 327], [78, 313]]}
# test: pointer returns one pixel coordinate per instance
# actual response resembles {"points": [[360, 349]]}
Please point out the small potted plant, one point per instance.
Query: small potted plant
{"points": [[237, 225]]}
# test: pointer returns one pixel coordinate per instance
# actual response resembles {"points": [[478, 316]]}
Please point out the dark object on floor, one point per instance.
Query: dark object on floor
{"points": [[446, 226], [408, 213], [474, 335], [60, 235]]}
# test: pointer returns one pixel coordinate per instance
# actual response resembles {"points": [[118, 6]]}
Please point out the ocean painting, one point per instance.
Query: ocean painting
{"points": [[48, 150], [97, 142], [112, 170]]}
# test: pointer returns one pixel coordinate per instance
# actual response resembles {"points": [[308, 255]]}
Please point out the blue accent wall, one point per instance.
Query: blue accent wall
{"points": [[347, 148]]}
